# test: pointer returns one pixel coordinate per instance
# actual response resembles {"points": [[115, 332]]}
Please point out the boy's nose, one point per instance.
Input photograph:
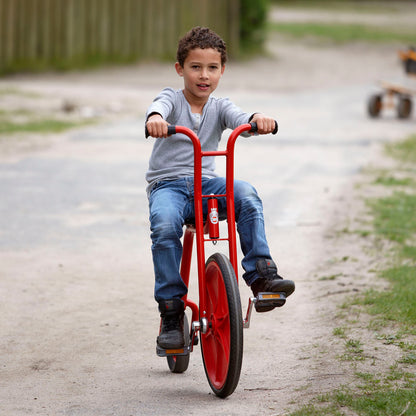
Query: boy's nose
{"points": [[204, 74]]}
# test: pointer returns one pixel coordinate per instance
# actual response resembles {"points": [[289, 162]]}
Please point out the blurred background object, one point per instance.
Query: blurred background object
{"points": [[394, 95], [66, 34]]}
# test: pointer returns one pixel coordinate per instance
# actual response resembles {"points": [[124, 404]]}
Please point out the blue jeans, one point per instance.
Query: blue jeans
{"points": [[171, 205]]}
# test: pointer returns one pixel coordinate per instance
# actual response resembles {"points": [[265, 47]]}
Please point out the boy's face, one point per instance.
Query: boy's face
{"points": [[201, 71]]}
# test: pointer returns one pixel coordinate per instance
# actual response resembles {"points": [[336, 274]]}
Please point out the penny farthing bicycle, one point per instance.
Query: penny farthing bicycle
{"points": [[217, 320]]}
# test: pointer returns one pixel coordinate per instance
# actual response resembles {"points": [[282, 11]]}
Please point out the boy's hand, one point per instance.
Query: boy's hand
{"points": [[156, 126], [265, 124]]}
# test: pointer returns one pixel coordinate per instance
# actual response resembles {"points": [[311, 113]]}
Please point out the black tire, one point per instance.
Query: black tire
{"points": [[374, 105], [179, 363], [222, 344], [404, 107]]}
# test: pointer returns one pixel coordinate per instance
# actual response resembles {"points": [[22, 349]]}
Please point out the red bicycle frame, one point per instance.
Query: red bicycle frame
{"points": [[199, 220], [218, 318]]}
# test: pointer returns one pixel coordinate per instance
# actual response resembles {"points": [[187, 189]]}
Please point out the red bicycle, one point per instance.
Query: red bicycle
{"points": [[218, 320]]}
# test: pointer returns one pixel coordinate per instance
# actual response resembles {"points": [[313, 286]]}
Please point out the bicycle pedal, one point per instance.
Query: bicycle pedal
{"points": [[164, 352], [266, 301]]}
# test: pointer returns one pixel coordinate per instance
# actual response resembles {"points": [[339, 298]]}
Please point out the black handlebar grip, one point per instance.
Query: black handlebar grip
{"points": [[254, 127], [276, 128], [171, 130]]}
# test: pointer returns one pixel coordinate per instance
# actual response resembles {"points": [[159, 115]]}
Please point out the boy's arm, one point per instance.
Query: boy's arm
{"points": [[265, 124], [157, 126], [232, 116], [159, 111]]}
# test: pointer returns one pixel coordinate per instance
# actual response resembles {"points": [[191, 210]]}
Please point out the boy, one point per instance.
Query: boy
{"points": [[201, 58]]}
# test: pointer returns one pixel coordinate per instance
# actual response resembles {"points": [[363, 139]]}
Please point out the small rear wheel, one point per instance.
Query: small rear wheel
{"points": [[179, 363], [222, 344], [374, 105], [404, 107]]}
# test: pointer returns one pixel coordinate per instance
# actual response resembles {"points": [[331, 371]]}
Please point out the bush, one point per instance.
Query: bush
{"points": [[253, 18]]}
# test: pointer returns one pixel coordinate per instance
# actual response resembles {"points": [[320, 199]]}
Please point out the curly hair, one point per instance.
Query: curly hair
{"points": [[200, 37]]}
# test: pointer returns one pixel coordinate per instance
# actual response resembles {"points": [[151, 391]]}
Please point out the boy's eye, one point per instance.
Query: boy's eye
{"points": [[195, 66]]}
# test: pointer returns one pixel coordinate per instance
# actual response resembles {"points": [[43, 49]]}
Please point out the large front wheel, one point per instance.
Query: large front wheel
{"points": [[222, 344]]}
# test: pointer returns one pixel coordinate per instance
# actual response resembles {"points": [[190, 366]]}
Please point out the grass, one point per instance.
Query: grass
{"points": [[22, 120], [15, 91], [394, 216], [381, 402], [398, 304], [353, 351], [394, 310], [339, 332], [37, 126], [403, 151], [359, 6], [392, 181], [344, 32], [394, 219]]}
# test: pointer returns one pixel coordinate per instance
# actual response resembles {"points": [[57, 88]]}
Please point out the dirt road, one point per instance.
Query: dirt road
{"points": [[79, 321]]}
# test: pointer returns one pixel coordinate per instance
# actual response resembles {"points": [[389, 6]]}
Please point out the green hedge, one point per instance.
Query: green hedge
{"points": [[253, 19]]}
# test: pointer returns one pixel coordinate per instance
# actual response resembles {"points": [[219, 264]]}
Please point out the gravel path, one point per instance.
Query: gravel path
{"points": [[78, 317]]}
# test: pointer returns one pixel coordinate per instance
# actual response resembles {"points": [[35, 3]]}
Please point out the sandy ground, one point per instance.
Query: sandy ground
{"points": [[76, 296]]}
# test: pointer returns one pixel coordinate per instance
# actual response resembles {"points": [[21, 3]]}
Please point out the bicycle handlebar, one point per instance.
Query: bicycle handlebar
{"points": [[172, 129]]}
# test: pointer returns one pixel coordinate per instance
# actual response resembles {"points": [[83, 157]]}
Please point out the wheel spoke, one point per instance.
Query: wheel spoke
{"points": [[217, 361], [223, 339], [212, 294], [222, 362]]}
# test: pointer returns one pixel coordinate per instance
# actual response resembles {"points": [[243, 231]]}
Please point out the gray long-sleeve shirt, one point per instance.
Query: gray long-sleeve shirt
{"points": [[173, 157]]}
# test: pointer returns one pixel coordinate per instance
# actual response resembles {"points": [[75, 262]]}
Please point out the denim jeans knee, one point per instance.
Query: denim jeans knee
{"points": [[171, 203], [167, 207]]}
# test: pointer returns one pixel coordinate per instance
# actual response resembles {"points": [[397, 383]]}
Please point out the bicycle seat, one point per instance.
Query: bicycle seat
{"points": [[192, 228]]}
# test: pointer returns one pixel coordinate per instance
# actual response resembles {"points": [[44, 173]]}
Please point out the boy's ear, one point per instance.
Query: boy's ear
{"points": [[222, 69], [179, 69]]}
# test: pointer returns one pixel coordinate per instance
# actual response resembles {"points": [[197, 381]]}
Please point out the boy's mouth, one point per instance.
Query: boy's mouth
{"points": [[203, 86]]}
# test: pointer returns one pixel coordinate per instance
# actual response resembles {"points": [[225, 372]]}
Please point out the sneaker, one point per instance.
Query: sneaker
{"points": [[269, 281], [171, 329]]}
